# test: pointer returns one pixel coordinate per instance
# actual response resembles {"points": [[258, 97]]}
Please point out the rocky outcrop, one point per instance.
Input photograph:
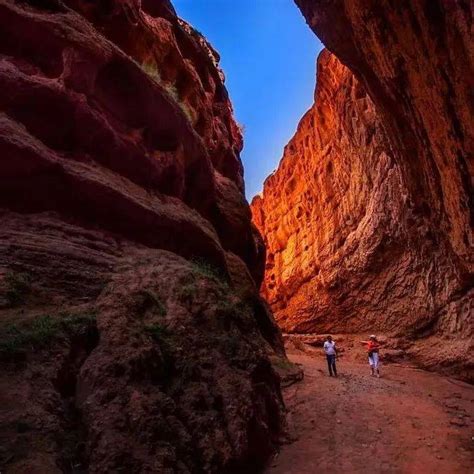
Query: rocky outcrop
{"points": [[382, 239], [415, 64], [330, 214], [132, 336]]}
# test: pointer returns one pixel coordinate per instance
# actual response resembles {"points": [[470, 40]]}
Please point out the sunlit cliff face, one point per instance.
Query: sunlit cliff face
{"points": [[325, 211], [368, 218]]}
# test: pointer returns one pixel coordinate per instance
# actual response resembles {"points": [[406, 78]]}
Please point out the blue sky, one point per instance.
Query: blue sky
{"points": [[268, 54]]}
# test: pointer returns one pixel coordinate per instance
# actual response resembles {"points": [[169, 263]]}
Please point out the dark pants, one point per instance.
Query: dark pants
{"points": [[331, 364]]}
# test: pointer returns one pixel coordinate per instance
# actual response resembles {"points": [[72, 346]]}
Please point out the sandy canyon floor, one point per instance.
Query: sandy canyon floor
{"points": [[409, 421]]}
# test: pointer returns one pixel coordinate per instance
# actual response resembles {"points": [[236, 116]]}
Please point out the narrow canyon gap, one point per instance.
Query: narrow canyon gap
{"points": [[368, 218]]}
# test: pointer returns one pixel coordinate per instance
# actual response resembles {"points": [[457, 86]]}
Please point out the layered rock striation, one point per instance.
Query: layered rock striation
{"points": [[368, 219], [132, 336]]}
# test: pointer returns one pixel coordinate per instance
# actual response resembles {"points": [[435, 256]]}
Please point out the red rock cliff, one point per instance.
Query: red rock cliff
{"points": [[368, 219], [330, 210], [132, 336], [345, 250], [416, 61]]}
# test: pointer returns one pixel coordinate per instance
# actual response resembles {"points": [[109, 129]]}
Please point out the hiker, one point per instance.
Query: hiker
{"points": [[373, 353], [331, 352]]}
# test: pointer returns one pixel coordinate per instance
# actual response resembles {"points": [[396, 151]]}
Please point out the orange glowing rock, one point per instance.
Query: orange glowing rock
{"points": [[347, 251]]}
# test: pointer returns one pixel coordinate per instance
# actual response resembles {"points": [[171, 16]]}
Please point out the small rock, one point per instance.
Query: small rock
{"points": [[338, 422]]}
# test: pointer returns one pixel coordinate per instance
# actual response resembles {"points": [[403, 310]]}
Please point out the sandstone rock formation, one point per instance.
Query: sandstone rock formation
{"points": [[132, 336], [328, 213], [368, 219]]}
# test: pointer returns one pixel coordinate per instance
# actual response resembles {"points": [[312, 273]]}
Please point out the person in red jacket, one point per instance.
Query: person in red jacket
{"points": [[373, 353]]}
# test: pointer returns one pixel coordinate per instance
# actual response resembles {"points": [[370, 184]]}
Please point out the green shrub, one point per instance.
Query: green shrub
{"points": [[40, 332], [209, 271], [164, 365], [283, 364], [152, 301], [152, 71], [18, 286], [36, 334], [75, 323], [157, 331], [187, 292], [234, 309]]}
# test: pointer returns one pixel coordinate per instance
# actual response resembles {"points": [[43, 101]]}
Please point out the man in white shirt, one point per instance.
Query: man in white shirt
{"points": [[331, 352]]}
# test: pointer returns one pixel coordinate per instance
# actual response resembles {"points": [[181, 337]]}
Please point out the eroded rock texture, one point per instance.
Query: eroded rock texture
{"points": [[329, 213], [132, 334], [375, 201], [345, 252]]}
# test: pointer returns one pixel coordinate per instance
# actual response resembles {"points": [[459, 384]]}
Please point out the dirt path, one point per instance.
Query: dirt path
{"points": [[408, 421]]}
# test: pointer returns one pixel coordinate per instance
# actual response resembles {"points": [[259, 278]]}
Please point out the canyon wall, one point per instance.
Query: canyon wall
{"points": [[329, 211], [132, 336], [368, 219]]}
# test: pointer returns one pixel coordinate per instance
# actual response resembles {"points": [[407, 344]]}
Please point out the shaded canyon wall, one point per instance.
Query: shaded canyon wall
{"points": [[132, 335]]}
